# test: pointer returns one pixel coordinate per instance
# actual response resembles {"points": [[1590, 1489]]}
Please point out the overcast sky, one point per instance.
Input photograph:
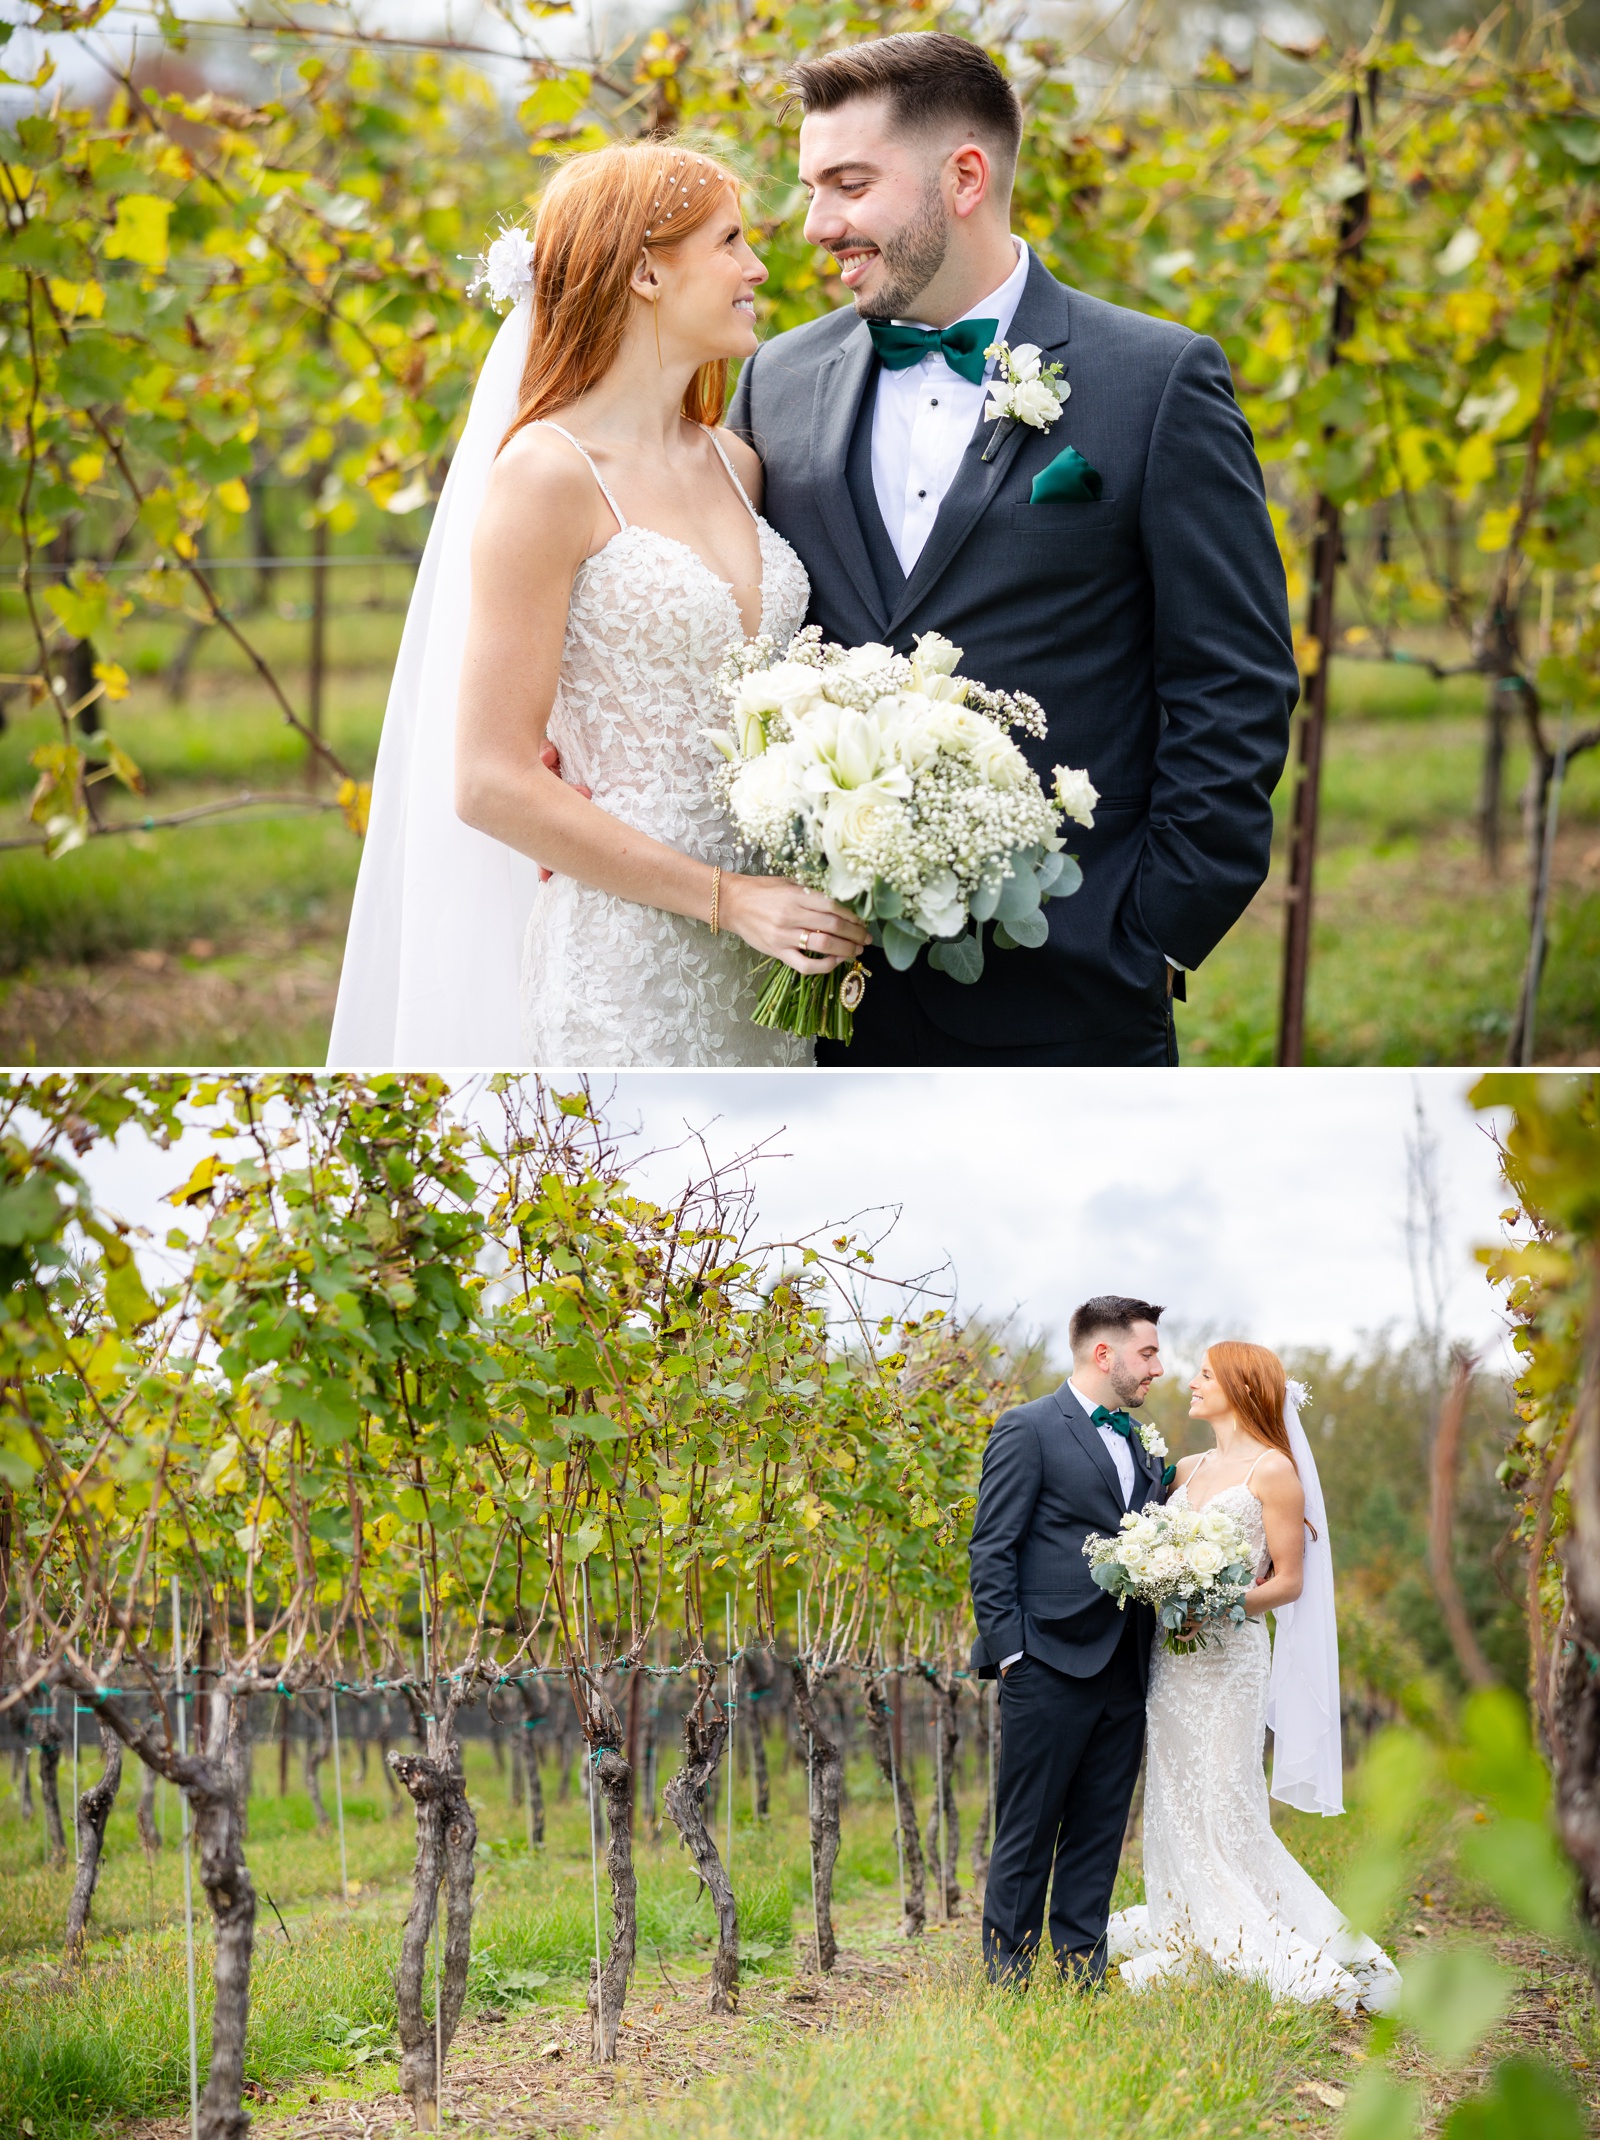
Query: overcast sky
{"points": [[1269, 1205]]}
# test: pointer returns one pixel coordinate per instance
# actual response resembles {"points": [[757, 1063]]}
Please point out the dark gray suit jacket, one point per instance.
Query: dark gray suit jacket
{"points": [[1152, 626], [1048, 1481]]}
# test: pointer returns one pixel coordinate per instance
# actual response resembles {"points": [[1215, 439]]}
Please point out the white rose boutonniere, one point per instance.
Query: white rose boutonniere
{"points": [[1028, 390], [1154, 1446], [1077, 795]]}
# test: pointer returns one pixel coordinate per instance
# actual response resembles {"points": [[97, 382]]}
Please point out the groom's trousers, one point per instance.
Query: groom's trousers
{"points": [[1069, 1758]]}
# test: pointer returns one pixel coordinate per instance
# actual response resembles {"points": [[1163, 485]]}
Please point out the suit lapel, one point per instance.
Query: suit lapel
{"points": [[841, 382], [1042, 318], [1088, 1440]]}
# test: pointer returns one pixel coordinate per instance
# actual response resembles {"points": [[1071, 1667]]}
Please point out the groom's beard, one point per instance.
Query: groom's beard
{"points": [[1130, 1389], [911, 259]]}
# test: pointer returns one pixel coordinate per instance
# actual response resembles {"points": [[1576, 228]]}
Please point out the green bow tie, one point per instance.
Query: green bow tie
{"points": [[1118, 1422], [962, 346]]}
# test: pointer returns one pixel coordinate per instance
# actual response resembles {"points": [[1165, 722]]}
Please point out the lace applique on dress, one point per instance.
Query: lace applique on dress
{"points": [[1217, 1879], [607, 983]]}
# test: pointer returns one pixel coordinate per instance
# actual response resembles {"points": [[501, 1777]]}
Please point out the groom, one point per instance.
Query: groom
{"points": [[1072, 1667], [1120, 565]]}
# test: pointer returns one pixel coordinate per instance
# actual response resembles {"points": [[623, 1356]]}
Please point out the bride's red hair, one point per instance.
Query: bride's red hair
{"points": [[1252, 1380], [598, 213]]}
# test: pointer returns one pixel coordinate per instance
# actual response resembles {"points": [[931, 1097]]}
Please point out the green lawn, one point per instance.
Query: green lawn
{"points": [[221, 943]]}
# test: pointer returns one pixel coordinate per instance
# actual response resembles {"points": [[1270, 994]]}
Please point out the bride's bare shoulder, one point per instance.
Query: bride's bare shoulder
{"points": [[537, 464], [542, 506], [1275, 1477]]}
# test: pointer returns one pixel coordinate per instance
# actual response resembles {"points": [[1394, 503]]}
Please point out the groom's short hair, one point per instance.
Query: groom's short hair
{"points": [[929, 78], [1108, 1312]]}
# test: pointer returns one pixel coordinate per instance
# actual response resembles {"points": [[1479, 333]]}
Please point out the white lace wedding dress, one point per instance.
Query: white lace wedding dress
{"points": [[605, 982], [1216, 1878]]}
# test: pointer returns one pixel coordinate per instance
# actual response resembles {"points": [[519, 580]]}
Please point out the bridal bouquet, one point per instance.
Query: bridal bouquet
{"points": [[890, 783], [1192, 1565]]}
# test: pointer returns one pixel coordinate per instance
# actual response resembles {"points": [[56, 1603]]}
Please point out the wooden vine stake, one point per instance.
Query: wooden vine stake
{"points": [[1325, 553]]}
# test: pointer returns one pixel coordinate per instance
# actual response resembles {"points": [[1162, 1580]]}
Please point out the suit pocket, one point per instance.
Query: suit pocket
{"points": [[1064, 516]]}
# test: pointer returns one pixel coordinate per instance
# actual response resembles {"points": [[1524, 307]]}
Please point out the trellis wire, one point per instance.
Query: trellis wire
{"points": [[188, 1877]]}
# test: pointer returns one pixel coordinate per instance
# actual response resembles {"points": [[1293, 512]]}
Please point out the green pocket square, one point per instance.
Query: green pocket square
{"points": [[1069, 479]]}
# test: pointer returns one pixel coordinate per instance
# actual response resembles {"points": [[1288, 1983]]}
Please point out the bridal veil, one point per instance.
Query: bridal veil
{"points": [[430, 964], [1303, 1693]]}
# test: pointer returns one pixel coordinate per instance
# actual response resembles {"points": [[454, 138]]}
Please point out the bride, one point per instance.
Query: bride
{"points": [[549, 876], [1217, 1879]]}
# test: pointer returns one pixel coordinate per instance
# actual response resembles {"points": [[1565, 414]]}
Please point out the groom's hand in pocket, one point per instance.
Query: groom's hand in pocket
{"points": [[550, 758]]}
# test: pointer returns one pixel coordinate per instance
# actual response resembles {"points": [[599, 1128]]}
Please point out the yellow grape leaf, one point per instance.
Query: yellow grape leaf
{"points": [[1494, 530], [355, 800], [1474, 462], [1416, 463], [199, 1182], [1470, 312], [141, 231], [85, 300], [232, 496], [82, 608], [1307, 652], [123, 767], [486, 1511], [86, 468], [114, 676]]}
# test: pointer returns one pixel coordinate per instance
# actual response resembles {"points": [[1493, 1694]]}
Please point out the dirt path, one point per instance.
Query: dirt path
{"points": [[530, 2074]]}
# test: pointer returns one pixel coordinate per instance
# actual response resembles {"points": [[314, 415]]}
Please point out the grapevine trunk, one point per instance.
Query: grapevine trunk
{"points": [[94, 1810]]}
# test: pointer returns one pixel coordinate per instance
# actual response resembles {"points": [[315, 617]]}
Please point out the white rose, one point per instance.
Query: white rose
{"points": [[790, 687], [1153, 1444], [1077, 795], [866, 659], [956, 729], [997, 761], [941, 910], [1034, 403], [1166, 1562], [935, 655], [1025, 361], [768, 788], [856, 822], [1205, 1558]]}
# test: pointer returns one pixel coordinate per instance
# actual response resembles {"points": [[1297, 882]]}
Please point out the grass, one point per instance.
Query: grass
{"points": [[111, 2042], [221, 943], [954, 2057], [929, 2053]]}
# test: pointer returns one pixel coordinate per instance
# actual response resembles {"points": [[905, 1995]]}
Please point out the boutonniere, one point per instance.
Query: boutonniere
{"points": [[1154, 1447], [1028, 391]]}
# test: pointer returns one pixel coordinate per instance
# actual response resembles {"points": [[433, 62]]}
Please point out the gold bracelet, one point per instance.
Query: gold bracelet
{"points": [[716, 894]]}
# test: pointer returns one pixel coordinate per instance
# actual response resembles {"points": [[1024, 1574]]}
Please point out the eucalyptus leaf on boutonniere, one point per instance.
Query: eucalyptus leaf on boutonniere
{"points": [[1028, 391]]}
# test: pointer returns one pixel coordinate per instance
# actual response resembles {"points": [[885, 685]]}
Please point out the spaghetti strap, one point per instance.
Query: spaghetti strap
{"points": [[544, 423], [744, 495], [1250, 1474]]}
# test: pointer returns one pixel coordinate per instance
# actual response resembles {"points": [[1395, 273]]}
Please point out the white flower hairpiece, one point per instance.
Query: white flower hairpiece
{"points": [[505, 268], [1297, 1393]]}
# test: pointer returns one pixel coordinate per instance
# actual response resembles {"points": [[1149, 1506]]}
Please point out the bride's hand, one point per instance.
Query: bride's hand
{"points": [[785, 921]]}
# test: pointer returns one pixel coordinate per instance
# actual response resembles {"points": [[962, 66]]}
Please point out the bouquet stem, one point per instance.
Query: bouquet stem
{"points": [[810, 1004]]}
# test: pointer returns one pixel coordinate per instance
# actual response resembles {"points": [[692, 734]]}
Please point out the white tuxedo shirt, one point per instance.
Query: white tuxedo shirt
{"points": [[922, 423]]}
